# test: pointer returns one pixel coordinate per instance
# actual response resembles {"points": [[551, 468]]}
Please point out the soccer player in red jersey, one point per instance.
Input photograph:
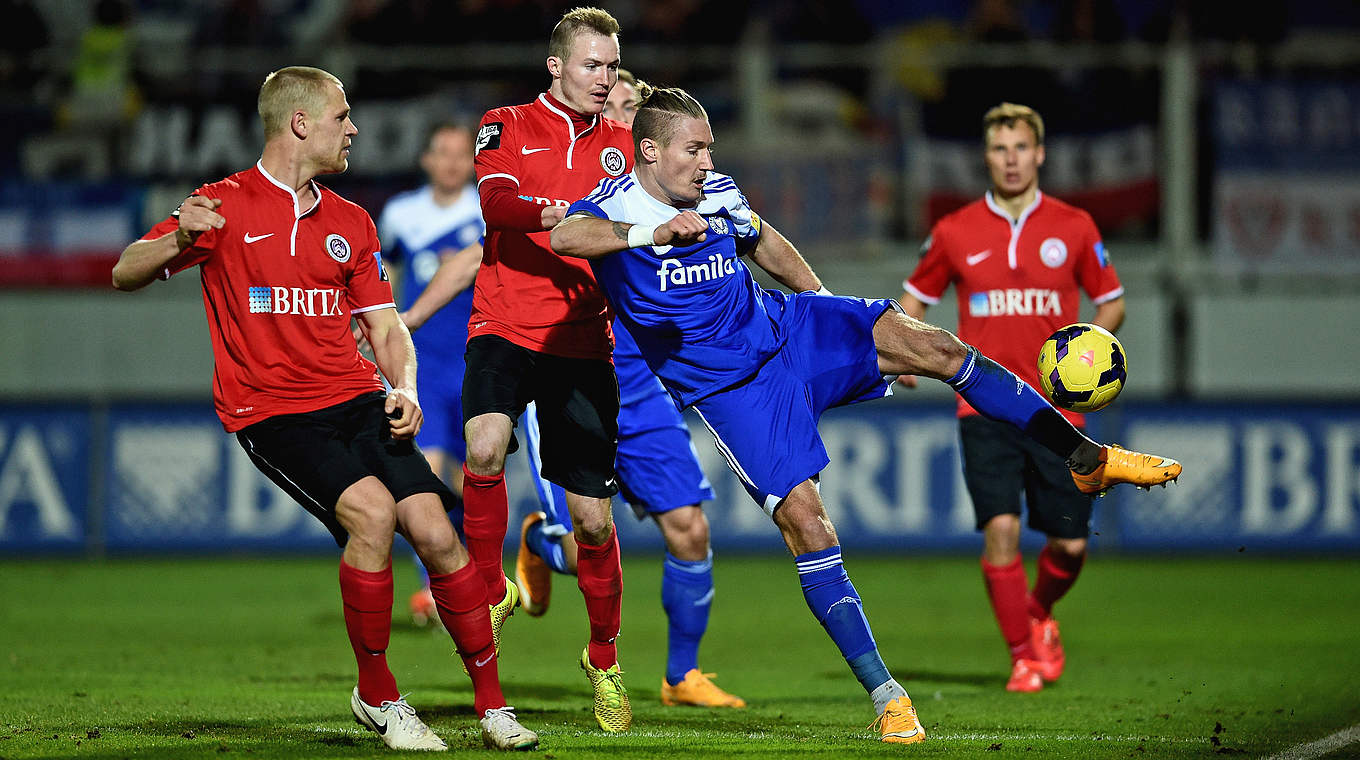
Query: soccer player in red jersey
{"points": [[540, 332], [1019, 261], [285, 264]]}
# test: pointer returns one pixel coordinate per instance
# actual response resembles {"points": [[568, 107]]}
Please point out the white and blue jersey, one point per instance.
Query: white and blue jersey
{"points": [[759, 366], [699, 318], [416, 231]]}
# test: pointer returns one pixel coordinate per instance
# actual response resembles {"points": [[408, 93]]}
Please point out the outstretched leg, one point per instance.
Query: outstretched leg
{"points": [[908, 346]]}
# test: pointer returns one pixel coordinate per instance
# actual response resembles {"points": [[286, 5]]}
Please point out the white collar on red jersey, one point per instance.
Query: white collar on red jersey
{"points": [[552, 104], [297, 213], [1024, 214]]}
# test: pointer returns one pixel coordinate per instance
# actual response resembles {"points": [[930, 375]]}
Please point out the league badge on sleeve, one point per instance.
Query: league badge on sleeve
{"points": [[613, 161], [382, 270], [489, 137], [1102, 254]]}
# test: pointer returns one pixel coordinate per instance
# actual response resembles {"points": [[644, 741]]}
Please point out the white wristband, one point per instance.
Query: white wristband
{"points": [[822, 291], [640, 235]]}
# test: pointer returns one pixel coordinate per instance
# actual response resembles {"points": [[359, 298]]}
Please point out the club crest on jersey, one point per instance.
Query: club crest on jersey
{"points": [[338, 247], [1053, 252], [612, 160], [489, 137], [719, 225]]}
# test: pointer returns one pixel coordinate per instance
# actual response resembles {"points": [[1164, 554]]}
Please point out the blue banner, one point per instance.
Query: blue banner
{"points": [[1276, 478], [44, 477], [1287, 126], [176, 481]]}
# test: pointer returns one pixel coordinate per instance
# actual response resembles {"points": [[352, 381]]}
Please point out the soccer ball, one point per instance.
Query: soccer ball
{"points": [[1081, 367]]}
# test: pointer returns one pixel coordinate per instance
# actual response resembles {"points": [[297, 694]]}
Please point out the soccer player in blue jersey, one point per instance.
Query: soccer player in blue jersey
{"points": [[434, 233], [667, 243], [659, 475]]}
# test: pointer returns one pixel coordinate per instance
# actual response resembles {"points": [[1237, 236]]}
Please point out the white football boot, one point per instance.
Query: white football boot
{"points": [[500, 730], [396, 723]]}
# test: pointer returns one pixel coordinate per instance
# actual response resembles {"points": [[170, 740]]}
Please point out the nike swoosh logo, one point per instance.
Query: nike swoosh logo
{"points": [[705, 599], [524, 150], [257, 238], [904, 734], [482, 663], [974, 258]]}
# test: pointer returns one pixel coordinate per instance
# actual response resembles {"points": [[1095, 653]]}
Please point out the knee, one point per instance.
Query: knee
{"points": [[1068, 550], [371, 525], [593, 528], [433, 540], [485, 453], [686, 533]]}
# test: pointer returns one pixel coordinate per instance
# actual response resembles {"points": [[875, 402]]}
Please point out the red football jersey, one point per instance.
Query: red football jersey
{"points": [[525, 293], [279, 286], [1017, 281]]}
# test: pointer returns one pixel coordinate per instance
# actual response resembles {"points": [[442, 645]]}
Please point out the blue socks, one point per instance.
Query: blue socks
{"points": [[998, 394], [548, 547], [836, 605], [687, 596]]}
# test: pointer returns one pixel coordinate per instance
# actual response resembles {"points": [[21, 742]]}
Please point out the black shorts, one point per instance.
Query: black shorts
{"points": [[578, 408], [315, 456], [1000, 462]]}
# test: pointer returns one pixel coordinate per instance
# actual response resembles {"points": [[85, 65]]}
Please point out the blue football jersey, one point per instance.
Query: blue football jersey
{"points": [[698, 316], [413, 230]]}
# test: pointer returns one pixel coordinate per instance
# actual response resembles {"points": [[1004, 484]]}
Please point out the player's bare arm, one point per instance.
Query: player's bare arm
{"points": [[590, 237], [457, 270], [916, 309], [776, 255], [1110, 315], [395, 355], [142, 261]]}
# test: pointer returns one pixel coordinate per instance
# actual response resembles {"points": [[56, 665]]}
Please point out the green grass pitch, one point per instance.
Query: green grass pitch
{"points": [[247, 658]]}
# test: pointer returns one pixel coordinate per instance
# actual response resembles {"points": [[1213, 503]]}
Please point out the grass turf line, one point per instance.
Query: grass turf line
{"points": [[217, 658]]}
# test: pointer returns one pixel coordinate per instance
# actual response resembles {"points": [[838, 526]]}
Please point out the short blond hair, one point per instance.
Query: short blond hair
{"points": [[660, 111], [1008, 115], [291, 89], [576, 21]]}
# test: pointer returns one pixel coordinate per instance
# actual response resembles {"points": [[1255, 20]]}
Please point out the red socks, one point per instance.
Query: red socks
{"points": [[1057, 573], [600, 578], [460, 597], [1007, 587], [368, 619], [486, 512]]}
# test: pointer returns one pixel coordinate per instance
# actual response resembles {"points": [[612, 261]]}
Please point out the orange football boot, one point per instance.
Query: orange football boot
{"points": [[1118, 465], [898, 724], [532, 574], [696, 689]]}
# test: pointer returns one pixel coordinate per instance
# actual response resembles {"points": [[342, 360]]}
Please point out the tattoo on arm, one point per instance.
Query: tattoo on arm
{"points": [[621, 231]]}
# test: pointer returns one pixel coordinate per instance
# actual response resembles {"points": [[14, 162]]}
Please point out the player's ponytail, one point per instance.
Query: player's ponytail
{"points": [[660, 109]]}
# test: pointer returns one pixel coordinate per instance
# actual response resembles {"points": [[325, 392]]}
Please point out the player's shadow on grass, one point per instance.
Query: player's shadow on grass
{"points": [[908, 676]]}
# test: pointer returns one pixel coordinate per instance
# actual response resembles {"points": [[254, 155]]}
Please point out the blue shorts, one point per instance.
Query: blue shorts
{"points": [[766, 426], [657, 466], [440, 386]]}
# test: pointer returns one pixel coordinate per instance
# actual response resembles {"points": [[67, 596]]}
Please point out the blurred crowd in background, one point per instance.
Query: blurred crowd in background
{"points": [[116, 103]]}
